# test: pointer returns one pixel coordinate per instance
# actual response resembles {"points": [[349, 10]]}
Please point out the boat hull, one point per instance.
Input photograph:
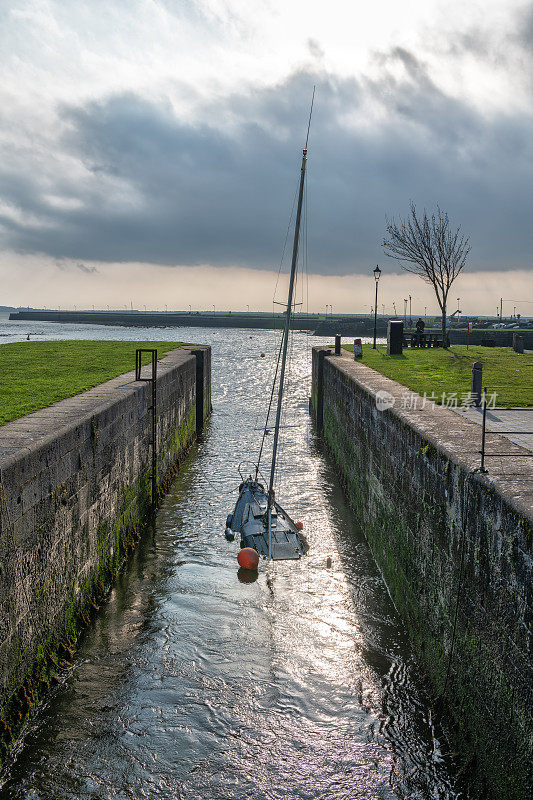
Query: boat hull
{"points": [[250, 521]]}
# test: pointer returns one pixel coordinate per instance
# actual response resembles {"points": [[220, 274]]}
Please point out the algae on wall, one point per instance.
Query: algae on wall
{"points": [[455, 558], [71, 510]]}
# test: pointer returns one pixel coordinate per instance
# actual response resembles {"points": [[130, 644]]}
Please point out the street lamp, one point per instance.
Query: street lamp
{"points": [[377, 274], [405, 311], [410, 313]]}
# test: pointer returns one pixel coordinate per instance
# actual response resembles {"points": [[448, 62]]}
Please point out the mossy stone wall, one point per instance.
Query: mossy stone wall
{"points": [[74, 496], [455, 550]]}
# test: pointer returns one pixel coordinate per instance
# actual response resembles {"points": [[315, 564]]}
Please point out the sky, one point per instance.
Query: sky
{"points": [[150, 149]]}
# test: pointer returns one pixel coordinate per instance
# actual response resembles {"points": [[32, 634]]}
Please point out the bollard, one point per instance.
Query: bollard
{"points": [[395, 337], [477, 381], [518, 343], [357, 349], [337, 344]]}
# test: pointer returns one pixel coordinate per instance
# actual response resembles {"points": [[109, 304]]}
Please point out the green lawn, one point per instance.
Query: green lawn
{"points": [[434, 370], [36, 374]]}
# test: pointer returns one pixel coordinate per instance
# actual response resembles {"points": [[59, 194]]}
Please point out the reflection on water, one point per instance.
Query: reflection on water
{"points": [[194, 682]]}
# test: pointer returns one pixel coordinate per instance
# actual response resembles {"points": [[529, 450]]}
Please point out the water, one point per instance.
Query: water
{"points": [[195, 684]]}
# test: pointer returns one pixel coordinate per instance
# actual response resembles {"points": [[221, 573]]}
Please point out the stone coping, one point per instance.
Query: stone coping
{"points": [[455, 437], [32, 431]]}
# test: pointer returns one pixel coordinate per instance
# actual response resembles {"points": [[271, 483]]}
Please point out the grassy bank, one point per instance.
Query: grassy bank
{"points": [[436, 371], [34, 375]]}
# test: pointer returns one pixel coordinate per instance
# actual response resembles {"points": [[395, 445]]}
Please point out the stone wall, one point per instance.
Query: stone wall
{"points": [[75, 484], [455, 549]]}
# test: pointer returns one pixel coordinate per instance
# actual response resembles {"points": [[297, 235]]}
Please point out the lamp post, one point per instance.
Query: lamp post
{"points": [[410, 313], [377, 274], [405, 311]]}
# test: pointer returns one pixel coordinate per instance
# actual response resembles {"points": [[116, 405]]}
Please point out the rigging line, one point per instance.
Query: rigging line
{"points": [[310, 114], [285, 242], [273, 375], [282, 461], [269, 407], [218, 489]]}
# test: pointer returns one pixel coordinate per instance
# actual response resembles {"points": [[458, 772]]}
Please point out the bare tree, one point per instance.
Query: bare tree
{"points": [[431, 249]]}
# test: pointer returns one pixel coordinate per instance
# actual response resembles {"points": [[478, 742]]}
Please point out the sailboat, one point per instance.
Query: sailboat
{"points": [[258, 518]]}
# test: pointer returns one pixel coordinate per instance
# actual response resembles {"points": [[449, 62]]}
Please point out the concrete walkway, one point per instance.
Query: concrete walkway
{"points": [[500, 420]]}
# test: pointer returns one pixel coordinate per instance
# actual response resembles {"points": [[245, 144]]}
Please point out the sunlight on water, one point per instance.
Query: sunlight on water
{"points": [[193, 683]]}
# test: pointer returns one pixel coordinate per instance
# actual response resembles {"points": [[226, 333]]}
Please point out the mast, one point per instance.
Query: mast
{"points": [[286, 329]]}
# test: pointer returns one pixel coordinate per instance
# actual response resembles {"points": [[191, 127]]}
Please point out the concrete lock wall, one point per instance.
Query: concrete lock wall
{"points": [[455, 549], [75, 484]]}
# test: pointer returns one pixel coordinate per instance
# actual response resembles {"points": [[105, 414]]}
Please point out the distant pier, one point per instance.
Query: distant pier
{"points": [[315, 323]]}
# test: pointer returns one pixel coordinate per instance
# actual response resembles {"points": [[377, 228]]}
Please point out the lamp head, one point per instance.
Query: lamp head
{"points": [[377, 273]]}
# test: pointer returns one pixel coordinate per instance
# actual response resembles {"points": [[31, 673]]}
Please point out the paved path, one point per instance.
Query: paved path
{"points": [[499, 419]]}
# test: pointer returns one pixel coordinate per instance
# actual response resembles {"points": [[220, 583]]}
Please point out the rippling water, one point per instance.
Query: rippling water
{"points": [[193, 683]]}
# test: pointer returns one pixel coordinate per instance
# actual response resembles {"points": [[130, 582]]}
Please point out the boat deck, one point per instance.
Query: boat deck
{"points": [[251, 521]]}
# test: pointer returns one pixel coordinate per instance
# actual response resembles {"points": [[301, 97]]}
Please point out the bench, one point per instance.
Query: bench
{"points": [[423, 340]]}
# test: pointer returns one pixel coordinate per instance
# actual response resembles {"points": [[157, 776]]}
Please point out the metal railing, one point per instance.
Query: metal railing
{"points": [[485, 432]]}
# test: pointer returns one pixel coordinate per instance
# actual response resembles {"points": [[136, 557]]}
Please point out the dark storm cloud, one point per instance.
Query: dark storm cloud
{"points": [[162, 189]]}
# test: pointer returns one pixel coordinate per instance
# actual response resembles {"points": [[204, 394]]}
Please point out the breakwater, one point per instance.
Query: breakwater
{"points": [[171, 319], [455, 549], [76, 488], [352, 325]]}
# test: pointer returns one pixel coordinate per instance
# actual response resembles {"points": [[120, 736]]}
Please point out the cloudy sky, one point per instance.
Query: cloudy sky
{"points": [[151, 148]]}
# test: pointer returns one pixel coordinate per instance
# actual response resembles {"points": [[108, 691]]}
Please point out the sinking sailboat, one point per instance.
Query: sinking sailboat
{"points": [[258, 519]]}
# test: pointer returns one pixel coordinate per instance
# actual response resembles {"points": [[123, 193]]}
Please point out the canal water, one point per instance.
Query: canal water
{"points": [[194, 683]]}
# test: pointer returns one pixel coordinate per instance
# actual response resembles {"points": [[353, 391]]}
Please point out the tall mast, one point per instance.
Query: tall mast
{"points": [[288, 320]]}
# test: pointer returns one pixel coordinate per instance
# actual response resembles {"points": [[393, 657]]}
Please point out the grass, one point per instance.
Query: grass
{"points": [[34, 375], [437, 371]]}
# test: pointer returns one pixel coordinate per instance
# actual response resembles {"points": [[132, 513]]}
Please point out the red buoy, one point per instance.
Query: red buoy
{"points": [[299, 525], [248, 558]]}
